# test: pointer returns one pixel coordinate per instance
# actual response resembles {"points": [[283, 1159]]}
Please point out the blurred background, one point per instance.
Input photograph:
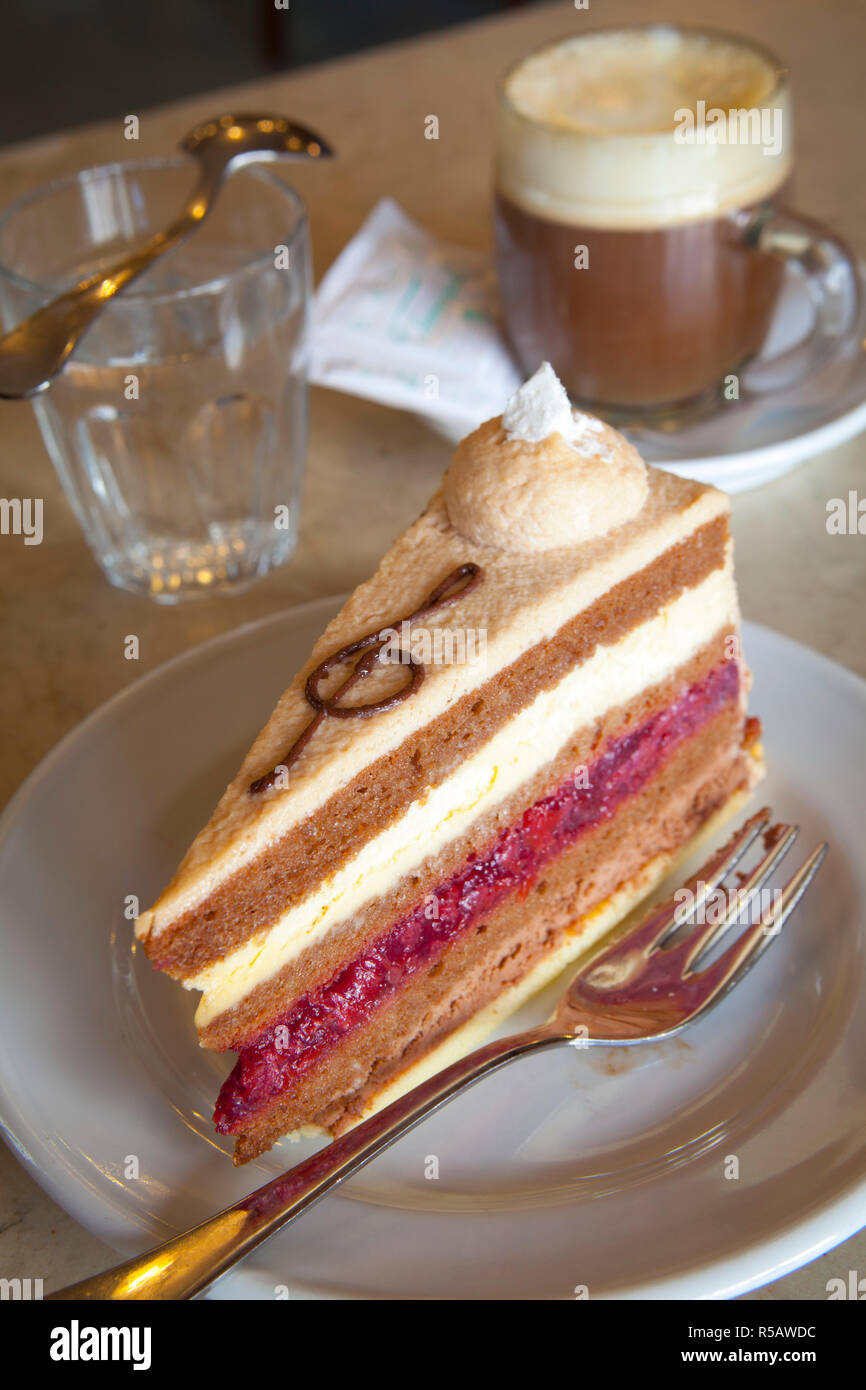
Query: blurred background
{"points": [[66, 62]]}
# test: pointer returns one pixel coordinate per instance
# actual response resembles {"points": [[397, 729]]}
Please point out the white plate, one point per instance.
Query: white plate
{"points": [[605, 1170], [758, 438]]}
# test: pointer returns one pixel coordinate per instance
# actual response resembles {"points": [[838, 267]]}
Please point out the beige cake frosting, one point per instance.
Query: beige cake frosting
{"points": [[517, 607], [541, 476], [637, 514]]}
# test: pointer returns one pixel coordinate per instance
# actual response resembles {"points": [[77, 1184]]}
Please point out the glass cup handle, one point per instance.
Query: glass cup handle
{"points": [[833, 283]]}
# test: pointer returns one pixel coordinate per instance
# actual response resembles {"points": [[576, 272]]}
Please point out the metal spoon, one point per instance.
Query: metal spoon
{"points": [[36, 350]]}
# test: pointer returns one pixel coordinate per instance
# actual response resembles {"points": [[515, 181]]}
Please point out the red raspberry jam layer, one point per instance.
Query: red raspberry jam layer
{"points": [[289, 1048]]}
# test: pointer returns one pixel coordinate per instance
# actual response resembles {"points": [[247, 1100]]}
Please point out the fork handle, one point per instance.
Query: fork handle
{"points": [[189, 1263]]}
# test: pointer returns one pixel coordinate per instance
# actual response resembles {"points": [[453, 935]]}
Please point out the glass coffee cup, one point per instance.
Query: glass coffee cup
{"points": [[640, 219]]}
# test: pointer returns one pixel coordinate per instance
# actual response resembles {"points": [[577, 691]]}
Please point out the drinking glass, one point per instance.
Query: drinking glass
{"points": [[178, 426]]}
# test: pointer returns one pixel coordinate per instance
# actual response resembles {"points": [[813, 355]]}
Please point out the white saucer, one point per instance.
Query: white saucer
{"points": [[758, 438], [605, 1170]]}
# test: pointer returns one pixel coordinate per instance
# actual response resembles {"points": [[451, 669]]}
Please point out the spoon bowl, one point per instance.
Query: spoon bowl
{"points": [[236, 138]]}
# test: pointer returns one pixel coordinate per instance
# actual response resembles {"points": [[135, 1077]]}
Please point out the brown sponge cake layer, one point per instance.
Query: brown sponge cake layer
{"points": [[264, 1004], [687, 790], [257, 895]]}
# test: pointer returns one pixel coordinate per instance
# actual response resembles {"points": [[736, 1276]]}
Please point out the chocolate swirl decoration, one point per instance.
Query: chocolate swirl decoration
{"points": [[455, 585]]}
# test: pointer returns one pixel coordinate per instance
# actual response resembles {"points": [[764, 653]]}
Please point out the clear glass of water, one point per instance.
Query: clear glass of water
{"points": [[178, 427]]}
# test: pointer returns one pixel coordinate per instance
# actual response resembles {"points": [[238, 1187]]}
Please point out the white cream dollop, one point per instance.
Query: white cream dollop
{"points": [[540, 408], [543, 476]]}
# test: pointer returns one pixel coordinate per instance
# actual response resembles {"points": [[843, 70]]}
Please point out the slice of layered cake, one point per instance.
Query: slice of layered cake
{"points": [[495, 750]]}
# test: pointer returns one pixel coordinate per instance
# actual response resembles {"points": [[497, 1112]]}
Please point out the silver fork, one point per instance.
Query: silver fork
{"points": [[637, 990]]}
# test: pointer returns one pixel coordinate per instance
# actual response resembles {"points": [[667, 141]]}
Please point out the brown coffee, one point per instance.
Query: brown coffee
{"points": [[655, 317], [620, 244]]}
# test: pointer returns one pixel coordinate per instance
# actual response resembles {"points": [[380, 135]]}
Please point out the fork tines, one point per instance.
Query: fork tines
{"points": [[694, 949], [751, 944], [665, 919]]}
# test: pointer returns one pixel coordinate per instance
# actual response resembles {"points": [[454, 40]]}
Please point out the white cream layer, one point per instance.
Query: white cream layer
{"points": [[517, 606], [611, 677]]}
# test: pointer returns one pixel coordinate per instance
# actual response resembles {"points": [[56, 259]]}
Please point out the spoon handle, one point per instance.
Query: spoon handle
{"points": [[188, 1264], [35, 350]]}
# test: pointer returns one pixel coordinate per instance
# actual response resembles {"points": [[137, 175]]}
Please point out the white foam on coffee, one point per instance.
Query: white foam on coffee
{"points": [[586, 129]]}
